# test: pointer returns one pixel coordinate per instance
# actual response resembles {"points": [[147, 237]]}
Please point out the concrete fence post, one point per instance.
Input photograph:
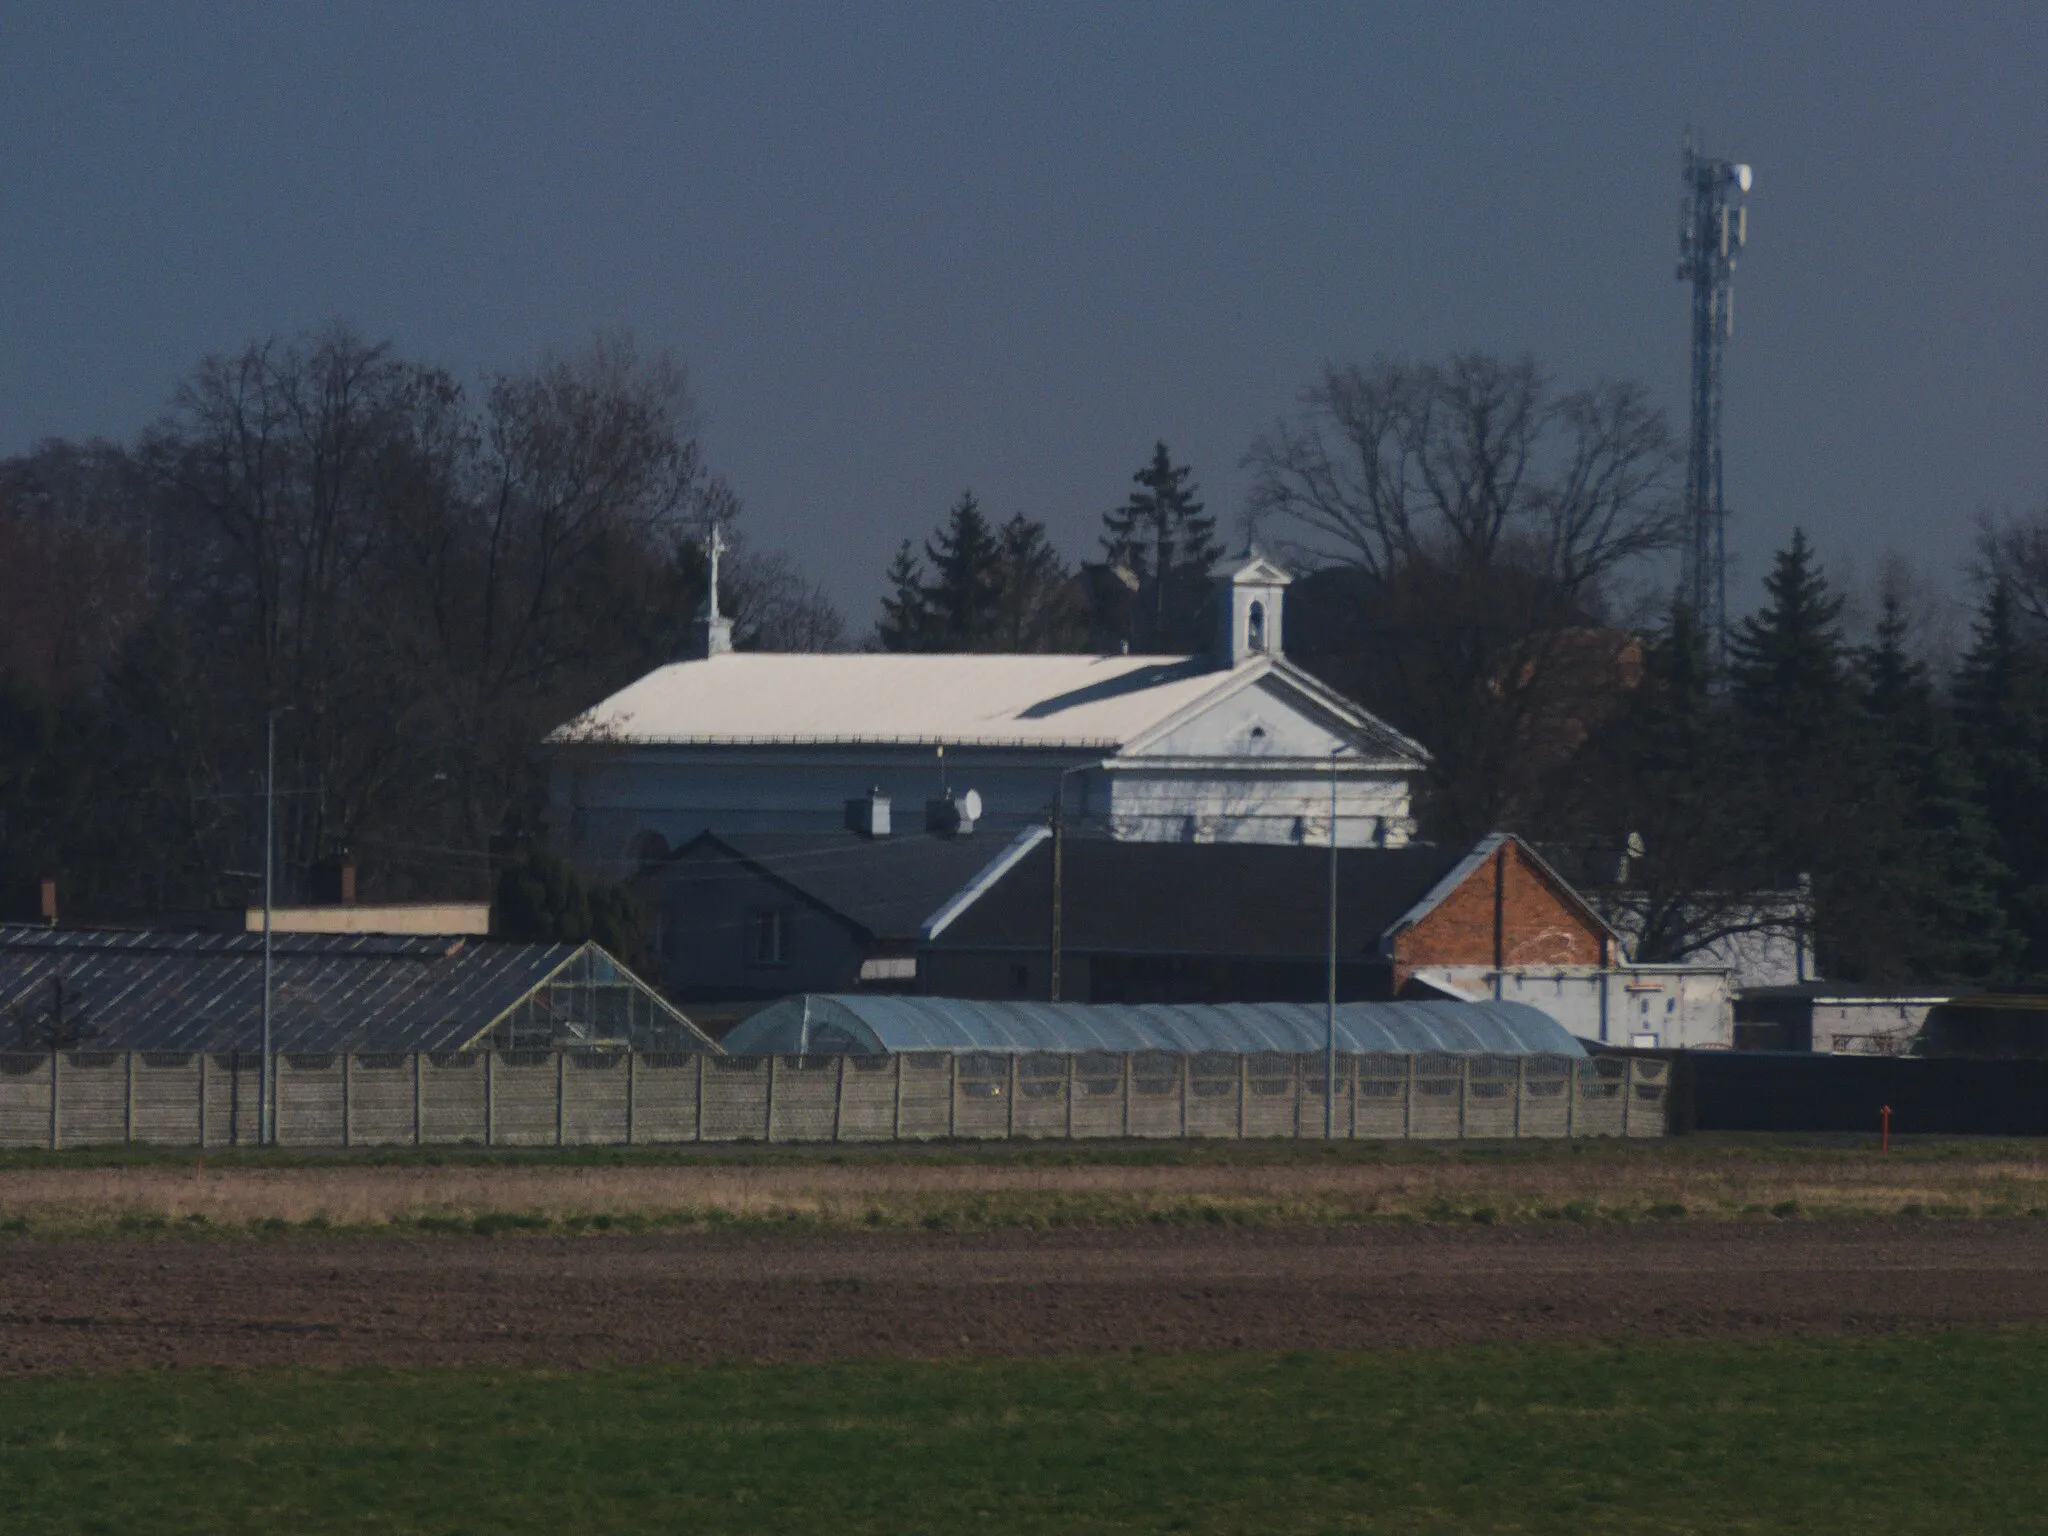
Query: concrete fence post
{"points": [[838, 1094], [128, 1105], [1010, 1107], [1070, 1085], [1521, 1091], [1464, 1091], [202, 1098], [768, 1131], [56, 1110], [1185, 1063], [700, 1099], [632, 1061], [1408, 1098], [419, 1092], [490, 1098], [561, 1097], [1243, 1074], [896, 1086], [1628, 1090], [953, 1096], [1571, 1099], [1127, 1094]]}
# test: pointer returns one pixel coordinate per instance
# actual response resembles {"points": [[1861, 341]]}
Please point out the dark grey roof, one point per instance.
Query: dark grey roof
{"points": [[885, 885], [204, 991], [867, 1024], [1219, 899]]}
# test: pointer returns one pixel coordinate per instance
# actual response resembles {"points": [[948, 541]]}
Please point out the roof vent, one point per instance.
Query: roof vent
{"points": [[953, 815], [869, 814]]}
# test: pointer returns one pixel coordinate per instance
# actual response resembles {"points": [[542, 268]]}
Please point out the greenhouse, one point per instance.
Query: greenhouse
{"points": [[864, 1025]]}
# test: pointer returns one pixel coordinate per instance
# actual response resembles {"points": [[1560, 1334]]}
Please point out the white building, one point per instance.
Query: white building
{"points": [[1237, 745]]}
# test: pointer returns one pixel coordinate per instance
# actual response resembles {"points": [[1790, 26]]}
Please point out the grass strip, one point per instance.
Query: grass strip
{"points": [[1906, 1434]]}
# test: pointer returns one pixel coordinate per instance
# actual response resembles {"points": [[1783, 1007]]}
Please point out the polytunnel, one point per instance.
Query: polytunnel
{"points": [[867, 1025]]}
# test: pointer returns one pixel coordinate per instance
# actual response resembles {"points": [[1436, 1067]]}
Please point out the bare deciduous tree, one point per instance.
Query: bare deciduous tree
{"points": [[1486, 520]]}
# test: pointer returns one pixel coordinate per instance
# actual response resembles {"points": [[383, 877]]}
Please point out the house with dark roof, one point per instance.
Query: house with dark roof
{"points": [[745, 916], [1165, 922]]}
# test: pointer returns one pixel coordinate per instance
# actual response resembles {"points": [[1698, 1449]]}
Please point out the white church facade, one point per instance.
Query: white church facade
{"points": [[1237, 745]]}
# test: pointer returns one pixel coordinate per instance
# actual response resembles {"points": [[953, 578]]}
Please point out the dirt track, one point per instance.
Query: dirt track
{"points": [[706, 1296]]}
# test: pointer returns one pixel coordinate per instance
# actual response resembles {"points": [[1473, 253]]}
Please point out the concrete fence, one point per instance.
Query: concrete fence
{"points": [[605, 1098]]}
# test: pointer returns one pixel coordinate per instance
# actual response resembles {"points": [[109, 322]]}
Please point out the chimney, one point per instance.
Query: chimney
{"points": [[49, 907], [869, 814]]}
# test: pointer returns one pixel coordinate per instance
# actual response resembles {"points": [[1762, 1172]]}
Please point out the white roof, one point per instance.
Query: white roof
{"points": [[893, 699]]}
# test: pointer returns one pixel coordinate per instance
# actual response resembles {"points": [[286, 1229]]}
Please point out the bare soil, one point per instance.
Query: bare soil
{"points": [[701, 1296]]}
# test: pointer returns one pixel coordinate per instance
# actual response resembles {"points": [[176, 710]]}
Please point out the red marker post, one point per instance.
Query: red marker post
{"points": [[1884, 1129]]}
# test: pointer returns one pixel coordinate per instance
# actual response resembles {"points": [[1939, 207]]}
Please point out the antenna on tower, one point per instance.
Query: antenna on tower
{"points": [[1713, 226]]}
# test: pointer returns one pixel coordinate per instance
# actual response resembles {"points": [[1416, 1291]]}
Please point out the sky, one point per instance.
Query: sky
{"points": [[908, 250]]}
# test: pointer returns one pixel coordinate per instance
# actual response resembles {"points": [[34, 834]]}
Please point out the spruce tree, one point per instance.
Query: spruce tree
{"points": [[2001, 707], [966, 584], [1164, 536], [982, 588], [1037, 606], [1671, 769], [906, 616], [1791, 689], [1931, 886]]}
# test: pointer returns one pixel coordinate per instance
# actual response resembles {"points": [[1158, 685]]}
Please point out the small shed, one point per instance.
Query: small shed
{"points": [[867, 1025]]}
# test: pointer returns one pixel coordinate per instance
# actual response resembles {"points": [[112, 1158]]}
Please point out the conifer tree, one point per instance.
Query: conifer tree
{"points": [[1037, 605], [981, 588], [1793, 701], [906, 618], [2001, 706], [1670, 773], [1165, 537], [1927, 905]]}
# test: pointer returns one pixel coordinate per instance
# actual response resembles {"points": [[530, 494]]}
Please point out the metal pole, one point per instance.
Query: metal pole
{"points": [[263, 1089], [1330, 1055], [1059, 849]]}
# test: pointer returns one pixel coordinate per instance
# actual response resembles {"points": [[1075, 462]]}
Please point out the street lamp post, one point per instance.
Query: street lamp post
{"points": [[1330, 1012]]}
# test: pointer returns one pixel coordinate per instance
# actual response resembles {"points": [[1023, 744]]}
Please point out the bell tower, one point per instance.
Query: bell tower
{"points": [[1250, 592]]}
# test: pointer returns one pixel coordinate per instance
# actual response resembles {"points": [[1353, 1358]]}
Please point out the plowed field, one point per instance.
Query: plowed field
{"points": [[710, 1295]]}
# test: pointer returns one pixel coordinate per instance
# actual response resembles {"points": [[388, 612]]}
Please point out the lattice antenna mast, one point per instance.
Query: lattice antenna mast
{"points": [[1713, 227]]}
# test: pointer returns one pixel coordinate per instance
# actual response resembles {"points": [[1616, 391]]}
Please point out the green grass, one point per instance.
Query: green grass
{"points": [[1929, 1434]]}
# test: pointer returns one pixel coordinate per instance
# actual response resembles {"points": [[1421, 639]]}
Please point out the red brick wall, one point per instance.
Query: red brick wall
{"points": [[1537, 925]]}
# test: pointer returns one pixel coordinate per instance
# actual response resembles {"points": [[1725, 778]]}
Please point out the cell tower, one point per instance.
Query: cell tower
{"points": [[1713, 226]]}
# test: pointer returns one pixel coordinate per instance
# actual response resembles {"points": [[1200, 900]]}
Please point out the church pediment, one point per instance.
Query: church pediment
{"points": [[1275, 712]]}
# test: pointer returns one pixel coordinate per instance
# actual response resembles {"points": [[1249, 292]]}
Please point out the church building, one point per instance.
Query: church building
{"points": [[1238, 745]]}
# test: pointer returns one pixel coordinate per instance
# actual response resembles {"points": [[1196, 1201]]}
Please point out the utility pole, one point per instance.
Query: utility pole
{"points": [[1330, 1019], [1713, 228], [263, 1084], [1059, 871], [1056, 968]]}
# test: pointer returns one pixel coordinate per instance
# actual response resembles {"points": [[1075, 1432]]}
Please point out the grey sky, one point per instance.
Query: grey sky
{"points": [[905, 250]]}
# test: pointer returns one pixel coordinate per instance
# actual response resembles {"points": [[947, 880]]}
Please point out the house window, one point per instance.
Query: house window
{"points": [[1255, 628], [768, 936]]}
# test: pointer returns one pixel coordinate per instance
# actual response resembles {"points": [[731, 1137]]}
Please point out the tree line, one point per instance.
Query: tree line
{"points": [[419, 578]]}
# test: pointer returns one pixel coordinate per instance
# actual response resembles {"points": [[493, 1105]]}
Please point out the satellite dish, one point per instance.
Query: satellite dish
{"points": [[970, 805], [1742, 177]]}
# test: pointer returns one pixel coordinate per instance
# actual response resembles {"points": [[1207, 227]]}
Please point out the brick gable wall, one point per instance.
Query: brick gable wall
{"points": [[1507, 913]]}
